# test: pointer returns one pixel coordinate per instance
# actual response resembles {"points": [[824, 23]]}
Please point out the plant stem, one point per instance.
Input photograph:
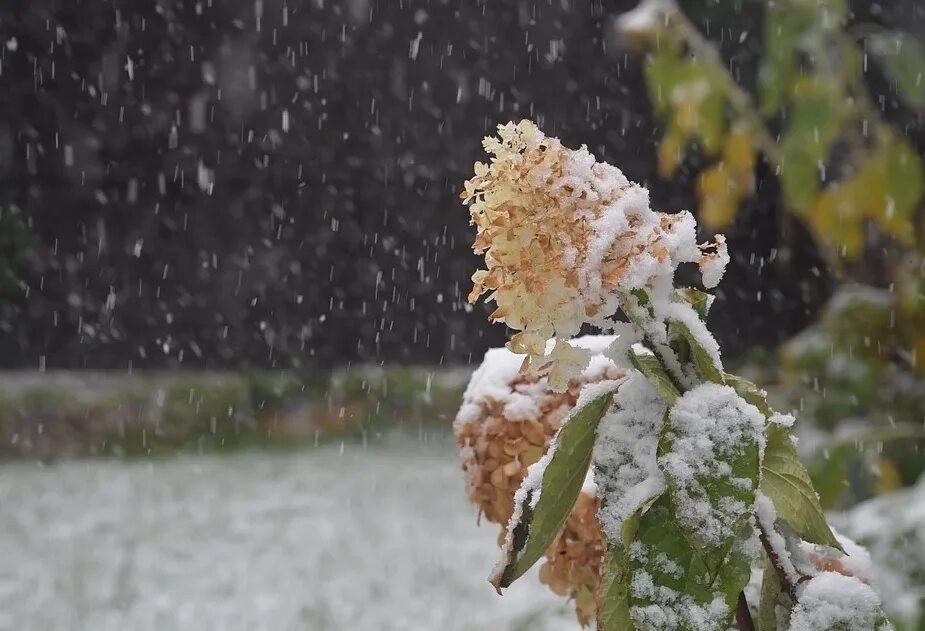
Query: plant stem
{"points": [[744, 614]]}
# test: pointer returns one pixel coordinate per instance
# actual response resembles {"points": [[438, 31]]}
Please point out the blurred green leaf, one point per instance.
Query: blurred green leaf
{"points": [[903, 168], [799, 171], [829, 473], [903, 58]]}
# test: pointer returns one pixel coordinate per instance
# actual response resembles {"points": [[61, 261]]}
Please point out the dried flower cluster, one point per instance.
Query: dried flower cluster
{"points": [[500, 434], [564, 237]]}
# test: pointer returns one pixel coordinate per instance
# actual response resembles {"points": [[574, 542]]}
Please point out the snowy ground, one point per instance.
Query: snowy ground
{"points": [[378, 538]]}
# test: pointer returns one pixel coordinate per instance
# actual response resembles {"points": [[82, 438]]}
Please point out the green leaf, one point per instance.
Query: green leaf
{"points": [[903, 168], [815, 119], [562, 480], [903, 59], [664, 69], [785, 26], [704, 363], [667, 558], [711, 117], [750, 392], [770, 592], [786, 481], [649, 365], [799, 173], [779, 59], [699, 300], [829, 473], [615, 589]]}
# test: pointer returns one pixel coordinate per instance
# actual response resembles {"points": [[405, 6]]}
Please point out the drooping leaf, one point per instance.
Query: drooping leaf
{"points": [[648, 364], [704, 363], [561, 484], [740, 158], [903, 58], [664, 69], [770, 593], [699, 300], [799, 173], [786, 481], [719, 195], [837, 215], [750, 392], [669, 153], [711, 120], [784, 26], [815, 121]]}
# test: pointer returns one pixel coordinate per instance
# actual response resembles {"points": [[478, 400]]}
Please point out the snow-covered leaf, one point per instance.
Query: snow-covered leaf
{"points": [[786, 481], [703, 360], [750, 392], [673, 584], [648, 364], [536, 522], [709, 455], [700, 301]]}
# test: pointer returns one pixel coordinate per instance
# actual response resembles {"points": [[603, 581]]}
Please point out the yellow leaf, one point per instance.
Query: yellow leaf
{"points": [[686, 115], [837, 217], [719, 197], [669, 155], [739, 157], [889, 478], [918, 354]]}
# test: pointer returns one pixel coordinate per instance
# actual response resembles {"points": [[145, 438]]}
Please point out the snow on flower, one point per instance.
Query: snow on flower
{"points": [[564, 236]]}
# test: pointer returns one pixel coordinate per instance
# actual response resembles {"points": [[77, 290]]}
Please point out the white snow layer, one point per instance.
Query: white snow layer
{"points": [[492, 380], [833, 601], [709, 425], [624, 453]]}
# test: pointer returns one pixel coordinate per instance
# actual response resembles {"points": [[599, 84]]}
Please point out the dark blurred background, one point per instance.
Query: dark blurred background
{"points": [[273, 183]]}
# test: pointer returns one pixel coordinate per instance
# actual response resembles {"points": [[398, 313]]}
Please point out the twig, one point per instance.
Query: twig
{"points": [[744, 614]]}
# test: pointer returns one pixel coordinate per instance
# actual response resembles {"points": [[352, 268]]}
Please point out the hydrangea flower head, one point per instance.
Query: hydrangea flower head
{"points": [[564, 236]]}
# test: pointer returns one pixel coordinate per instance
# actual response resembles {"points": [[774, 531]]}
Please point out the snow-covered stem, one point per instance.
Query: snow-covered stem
{"points": [[776, 563]]}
